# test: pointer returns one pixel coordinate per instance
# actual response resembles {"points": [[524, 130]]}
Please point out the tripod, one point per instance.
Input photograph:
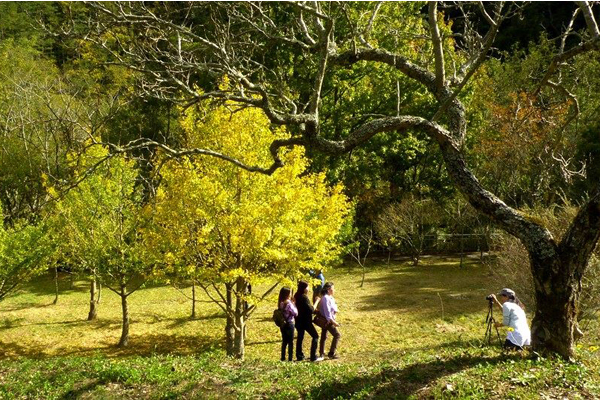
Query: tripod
{"points": [[489, 320]]}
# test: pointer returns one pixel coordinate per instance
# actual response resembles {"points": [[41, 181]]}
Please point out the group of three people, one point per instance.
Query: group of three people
{"points": [[298, 313]]}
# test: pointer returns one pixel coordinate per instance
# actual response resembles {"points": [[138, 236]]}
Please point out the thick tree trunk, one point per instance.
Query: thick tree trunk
{"points": [[557, 296], [558, 282], [93, 314], [125, 331]]}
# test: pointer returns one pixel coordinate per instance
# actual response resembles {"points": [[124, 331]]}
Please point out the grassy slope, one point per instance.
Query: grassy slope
{"points": [[409, 332]]}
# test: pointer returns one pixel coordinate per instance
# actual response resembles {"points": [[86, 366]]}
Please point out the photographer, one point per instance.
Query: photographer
{"points": [[513, 317]]}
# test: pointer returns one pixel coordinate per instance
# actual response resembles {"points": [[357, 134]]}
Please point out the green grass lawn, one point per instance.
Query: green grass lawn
{"points": [[410, 332]]}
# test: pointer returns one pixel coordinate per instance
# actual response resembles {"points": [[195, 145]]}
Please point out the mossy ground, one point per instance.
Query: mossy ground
{"points": [[410, 332]]}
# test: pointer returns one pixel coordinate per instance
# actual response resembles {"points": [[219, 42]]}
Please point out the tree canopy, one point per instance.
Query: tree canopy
{"points": [[229, 229]]}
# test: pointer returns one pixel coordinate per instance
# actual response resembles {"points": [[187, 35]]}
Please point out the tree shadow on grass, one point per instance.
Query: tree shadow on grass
{"points": [[177, 322], [81, 389], [25, 306], [44, 285], [139, 345], [425, 287], [164, 344], [400, 383], [97, 323]]}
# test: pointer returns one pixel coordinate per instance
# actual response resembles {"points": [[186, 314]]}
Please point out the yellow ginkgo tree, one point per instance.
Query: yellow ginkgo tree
{"points": [[230, 230]]}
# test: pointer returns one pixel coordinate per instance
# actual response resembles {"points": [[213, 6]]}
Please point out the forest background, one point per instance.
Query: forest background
{"points": [[88, 128]]}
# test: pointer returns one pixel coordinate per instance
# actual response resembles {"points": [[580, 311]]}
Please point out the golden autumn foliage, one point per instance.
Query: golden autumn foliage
{"points": [[218, 224], [241, 224]]}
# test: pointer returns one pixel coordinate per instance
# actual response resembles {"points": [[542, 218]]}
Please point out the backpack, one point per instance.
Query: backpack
{"points": [[278, 317]]}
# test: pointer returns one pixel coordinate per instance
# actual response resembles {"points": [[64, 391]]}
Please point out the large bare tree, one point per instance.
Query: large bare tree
{"points": [[282, 58]]}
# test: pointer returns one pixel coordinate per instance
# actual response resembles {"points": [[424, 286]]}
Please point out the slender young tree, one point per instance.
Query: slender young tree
{"points": [[230, 230], [100, 221]]}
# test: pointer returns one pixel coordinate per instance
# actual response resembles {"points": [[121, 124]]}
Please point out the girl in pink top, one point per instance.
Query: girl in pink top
{"points": [[290, 312]]}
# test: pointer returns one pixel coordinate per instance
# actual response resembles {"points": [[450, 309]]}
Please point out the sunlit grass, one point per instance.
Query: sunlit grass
{"points": [[410, 331]]}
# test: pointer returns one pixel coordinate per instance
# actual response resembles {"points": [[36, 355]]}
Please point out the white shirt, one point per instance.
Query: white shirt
{"points": [[328, 307], [514, 317]]}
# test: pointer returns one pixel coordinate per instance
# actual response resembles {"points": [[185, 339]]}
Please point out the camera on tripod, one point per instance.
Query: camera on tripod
{"points": [[490, 322]]}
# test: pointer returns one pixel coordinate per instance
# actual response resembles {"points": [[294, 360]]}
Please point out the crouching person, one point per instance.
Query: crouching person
{"points": [[514, 317]]}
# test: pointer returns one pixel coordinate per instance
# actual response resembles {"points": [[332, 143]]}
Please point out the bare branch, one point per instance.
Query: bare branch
{"points": [[590, 21], [473, 64], [364, 37], [565, 35], [304, 29], [251, 309], [440, 76], [214, 300], [487, 17], [318, 86], [151, 144]]}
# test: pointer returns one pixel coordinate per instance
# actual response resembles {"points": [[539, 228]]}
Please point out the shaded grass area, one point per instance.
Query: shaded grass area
{"points": [[408, 333]]}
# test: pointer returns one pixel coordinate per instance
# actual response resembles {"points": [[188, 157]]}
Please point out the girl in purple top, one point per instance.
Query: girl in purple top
{"points": [[290, 312], [328, 309]]}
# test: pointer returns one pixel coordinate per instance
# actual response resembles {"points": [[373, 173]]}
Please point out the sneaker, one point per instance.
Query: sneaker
{"points": [[333, 357], [318, 359]]}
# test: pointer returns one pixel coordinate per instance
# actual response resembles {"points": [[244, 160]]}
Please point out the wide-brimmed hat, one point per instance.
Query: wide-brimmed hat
{"points": [[507, 292]]}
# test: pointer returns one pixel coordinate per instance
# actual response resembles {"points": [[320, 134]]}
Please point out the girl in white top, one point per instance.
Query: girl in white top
{"points": [[514, 317]]}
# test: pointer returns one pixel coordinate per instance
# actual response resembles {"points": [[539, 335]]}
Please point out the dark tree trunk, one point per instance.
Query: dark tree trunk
{"points": [[125, 331], [55, 285], [229, 326], [239, 343], [558, 282], [415, 259], [193, 300], [93, 314], [364, 272], [240, 321], [557, 296]]}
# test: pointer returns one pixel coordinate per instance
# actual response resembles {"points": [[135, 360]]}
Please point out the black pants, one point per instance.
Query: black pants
{"points": [[313, 344], [287, 340]]}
